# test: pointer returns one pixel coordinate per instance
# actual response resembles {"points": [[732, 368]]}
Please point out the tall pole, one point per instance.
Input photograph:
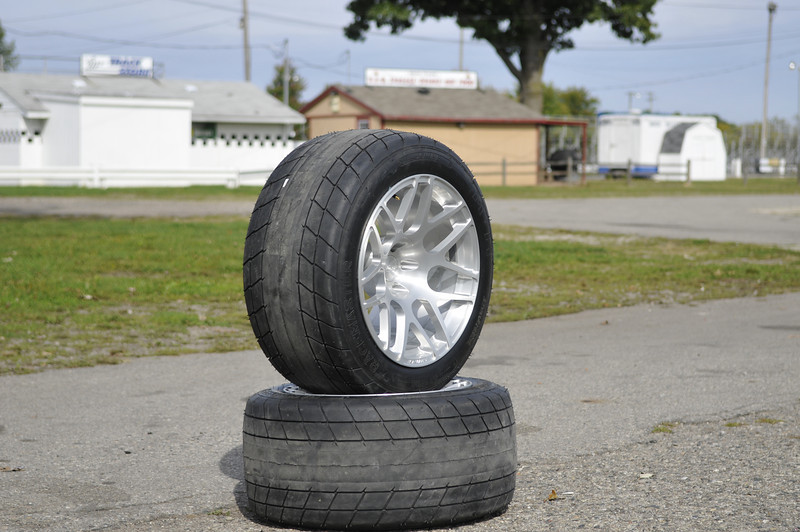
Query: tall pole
{"points": [[245, 23], [461, 49], [771, 7], [796, 66], [286, 72], [286, 127]]}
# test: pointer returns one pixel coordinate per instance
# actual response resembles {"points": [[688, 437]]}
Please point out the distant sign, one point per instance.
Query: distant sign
{"points": [[116, 65], [433, 79]]}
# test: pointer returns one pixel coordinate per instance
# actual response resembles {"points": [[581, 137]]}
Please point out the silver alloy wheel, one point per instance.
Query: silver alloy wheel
{"points": [[419, 267]]}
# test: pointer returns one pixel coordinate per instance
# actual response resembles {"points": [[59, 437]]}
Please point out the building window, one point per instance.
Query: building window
{"points": [[204, 130], [363, 123]]}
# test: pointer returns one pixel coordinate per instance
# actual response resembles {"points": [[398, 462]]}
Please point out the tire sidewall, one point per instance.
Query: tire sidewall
{"points": [[425, 158]]}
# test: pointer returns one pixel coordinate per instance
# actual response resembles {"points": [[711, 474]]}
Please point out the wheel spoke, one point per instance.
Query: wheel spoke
{"points": [[437, 320], [455, 267], [448, 211], [419, 219], [371, 271], [398, 322], [456, 233], [405, 207]]}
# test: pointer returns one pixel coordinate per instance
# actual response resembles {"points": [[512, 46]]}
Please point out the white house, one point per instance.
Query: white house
{"points": [[153, 131]]}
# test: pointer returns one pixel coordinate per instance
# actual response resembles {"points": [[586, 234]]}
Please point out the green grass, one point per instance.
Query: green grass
{"points": [[592, 189], [544, 273], [195, 193], [645, 187], [665, 427], [77, 292]]}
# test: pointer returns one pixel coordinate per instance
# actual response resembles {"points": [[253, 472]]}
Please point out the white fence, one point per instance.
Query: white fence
{"points": [[232, 164], [123, 178]]}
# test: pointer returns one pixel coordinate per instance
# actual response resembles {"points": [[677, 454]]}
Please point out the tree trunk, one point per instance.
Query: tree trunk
{"points": [[531, 58]]}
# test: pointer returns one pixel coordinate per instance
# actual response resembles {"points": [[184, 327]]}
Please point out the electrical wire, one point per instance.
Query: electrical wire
{"points": [[65, 14]]}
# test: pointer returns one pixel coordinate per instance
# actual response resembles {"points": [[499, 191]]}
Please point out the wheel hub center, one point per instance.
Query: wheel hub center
{"points": [[391, 268]]}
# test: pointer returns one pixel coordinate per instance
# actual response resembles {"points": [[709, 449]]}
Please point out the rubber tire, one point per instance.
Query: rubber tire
{"points": [[300, 258], [378, 462]]}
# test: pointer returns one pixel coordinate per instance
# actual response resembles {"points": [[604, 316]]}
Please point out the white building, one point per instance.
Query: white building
{"points": [[120, 131], [664, 147]]}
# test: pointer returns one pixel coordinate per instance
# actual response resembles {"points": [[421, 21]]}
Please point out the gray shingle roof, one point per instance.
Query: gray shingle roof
{"points": [[214, 101], [440, 104]]}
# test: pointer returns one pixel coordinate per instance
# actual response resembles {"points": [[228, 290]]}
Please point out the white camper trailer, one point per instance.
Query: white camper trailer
{"points": [[660, 146]]}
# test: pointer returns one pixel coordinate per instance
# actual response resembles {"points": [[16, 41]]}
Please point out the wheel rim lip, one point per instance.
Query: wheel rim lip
{"points": [[455, 384], [407, 269]]}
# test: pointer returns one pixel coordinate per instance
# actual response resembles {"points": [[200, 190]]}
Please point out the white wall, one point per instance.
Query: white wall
{"points": [[122, 134], [271, 132], [135, 133], [61, 133], [11, 127], [239, 156]]}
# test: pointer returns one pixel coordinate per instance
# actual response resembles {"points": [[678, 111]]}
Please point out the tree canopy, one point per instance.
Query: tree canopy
{"points": [[10, 60], [572, 101], [296, 86], [522, 32]]}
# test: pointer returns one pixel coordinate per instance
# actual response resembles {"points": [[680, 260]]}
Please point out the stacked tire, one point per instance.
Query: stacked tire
{"points": [[367, 277]]}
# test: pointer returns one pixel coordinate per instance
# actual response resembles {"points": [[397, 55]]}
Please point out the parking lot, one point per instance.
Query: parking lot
{"points": [[648, 417]]}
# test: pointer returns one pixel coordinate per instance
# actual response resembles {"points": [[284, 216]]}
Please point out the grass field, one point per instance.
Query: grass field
{"points": [[77, 292], [592, 189]]}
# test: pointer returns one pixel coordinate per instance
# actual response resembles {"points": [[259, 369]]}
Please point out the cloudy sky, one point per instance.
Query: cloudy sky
{"points": [[709, 59]]}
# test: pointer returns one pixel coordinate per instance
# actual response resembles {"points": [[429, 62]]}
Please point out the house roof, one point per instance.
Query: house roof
{"points": [[214, 101], [435, 105]]}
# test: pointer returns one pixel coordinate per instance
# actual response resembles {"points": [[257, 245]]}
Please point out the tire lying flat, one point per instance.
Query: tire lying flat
{"points": [[380, 462], [368, 264]]}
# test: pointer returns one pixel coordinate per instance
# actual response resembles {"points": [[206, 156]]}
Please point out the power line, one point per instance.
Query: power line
{"points": [[684, 46], [65, 14], [689, 77], [727, 6]]}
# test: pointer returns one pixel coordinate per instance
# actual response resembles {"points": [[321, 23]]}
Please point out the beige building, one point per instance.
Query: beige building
{"points": [[498, 138]]}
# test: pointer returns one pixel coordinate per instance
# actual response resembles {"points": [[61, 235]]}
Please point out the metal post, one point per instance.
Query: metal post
{"points": [[503, 172], [795, 66], [771, 7], [461, 49], [628, 173], [244, 23], [689, 172], [583, 154], [286, 85]]}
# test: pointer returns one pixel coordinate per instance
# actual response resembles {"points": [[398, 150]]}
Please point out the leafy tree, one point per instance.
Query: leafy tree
{"points": [[522, 32], [572, 101], [10, 60], [296, 86]]}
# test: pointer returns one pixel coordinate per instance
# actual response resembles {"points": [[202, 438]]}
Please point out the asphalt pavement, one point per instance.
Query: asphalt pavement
{"points": [[758, 219], [641, 418]]}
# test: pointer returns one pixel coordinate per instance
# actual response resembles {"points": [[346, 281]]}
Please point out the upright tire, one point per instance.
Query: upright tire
{"points": [[368, 264], [380, 462]]}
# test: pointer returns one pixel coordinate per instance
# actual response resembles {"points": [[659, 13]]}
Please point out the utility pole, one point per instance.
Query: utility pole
{"points": [[286, 72], [771, 7], [461, 49], [286, 127], [244, 24], [631, 96]]}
